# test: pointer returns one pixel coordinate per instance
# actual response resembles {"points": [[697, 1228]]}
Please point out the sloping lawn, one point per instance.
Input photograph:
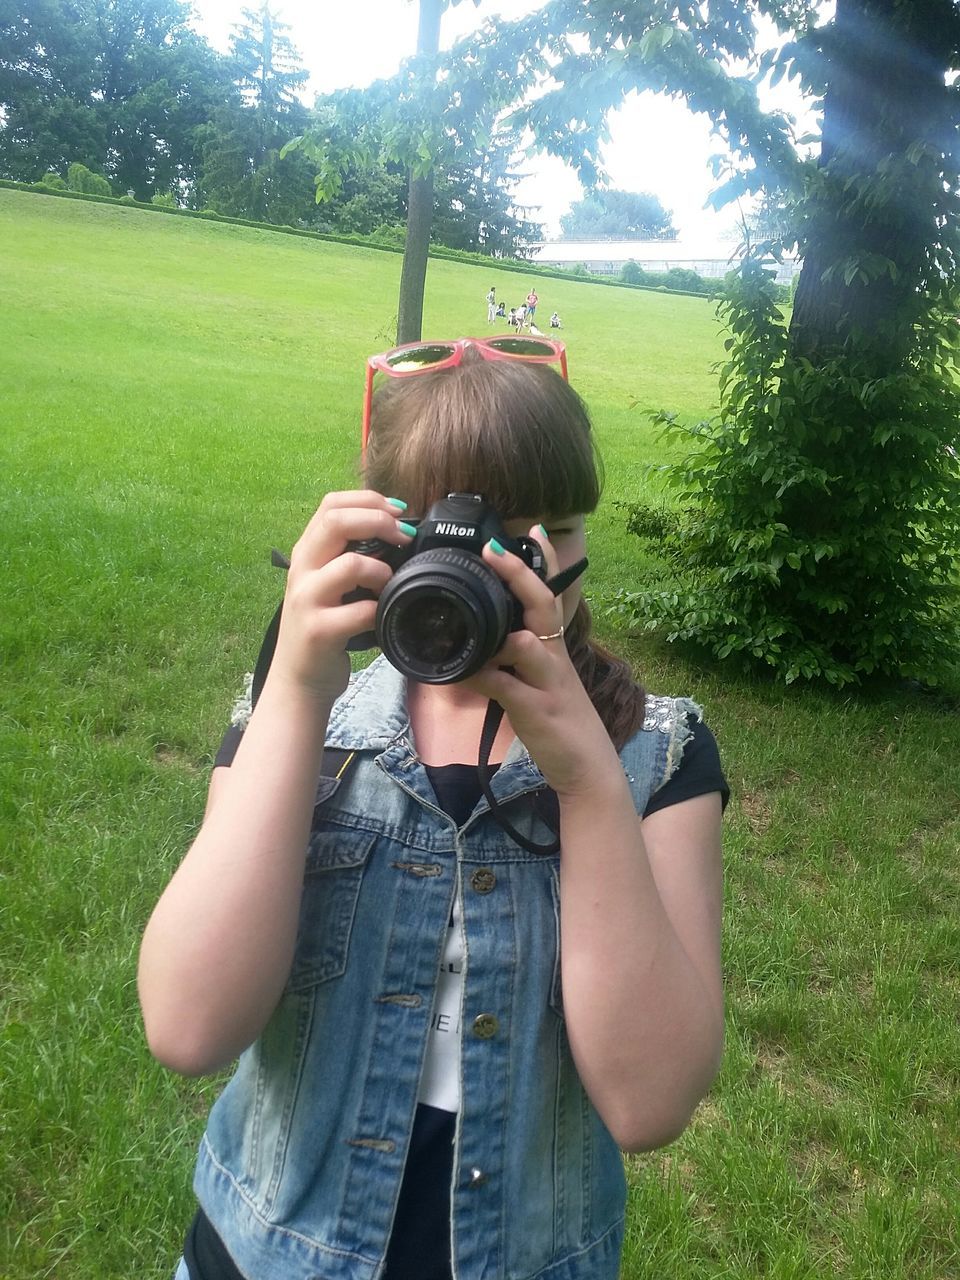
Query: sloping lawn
{"points": [[176, 398]]}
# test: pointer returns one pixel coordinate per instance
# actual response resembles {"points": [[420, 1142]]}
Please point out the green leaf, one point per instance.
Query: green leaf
{"points": [[656, 40]]}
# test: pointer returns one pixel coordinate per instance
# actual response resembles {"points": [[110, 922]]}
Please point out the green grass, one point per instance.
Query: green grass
{"points": [[175, 397]]}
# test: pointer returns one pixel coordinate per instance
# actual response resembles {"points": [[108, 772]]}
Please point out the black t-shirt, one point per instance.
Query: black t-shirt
{"points": [[698, 773], [420, 1241]]}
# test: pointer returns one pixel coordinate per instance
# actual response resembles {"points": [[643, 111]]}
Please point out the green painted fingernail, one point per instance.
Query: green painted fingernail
{"points": [[543, 531], [398, 502], [408, 529], [495, 547]]}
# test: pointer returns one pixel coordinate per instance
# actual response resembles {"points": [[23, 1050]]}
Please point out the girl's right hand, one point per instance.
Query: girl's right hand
{"points": [[315, 624], [217, 952]]}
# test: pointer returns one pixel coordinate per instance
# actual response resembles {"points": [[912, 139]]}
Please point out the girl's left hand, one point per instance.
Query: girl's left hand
{"points": [[542, 695]]}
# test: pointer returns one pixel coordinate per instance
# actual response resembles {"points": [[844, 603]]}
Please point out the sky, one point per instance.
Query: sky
{"points": [[656, 145]]}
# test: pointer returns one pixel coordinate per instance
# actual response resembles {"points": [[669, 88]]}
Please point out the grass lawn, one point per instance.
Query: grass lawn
{"points": [[176, 397]]}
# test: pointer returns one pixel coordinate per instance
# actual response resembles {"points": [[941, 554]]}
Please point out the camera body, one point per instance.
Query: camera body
{"points": [[445, 613]]}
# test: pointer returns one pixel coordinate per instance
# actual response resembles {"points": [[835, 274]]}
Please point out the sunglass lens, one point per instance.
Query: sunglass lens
{"points": [[420, 357], [522, 346]]}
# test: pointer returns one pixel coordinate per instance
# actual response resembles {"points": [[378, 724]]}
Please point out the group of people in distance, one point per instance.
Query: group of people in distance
{"points": [[518, 318]]}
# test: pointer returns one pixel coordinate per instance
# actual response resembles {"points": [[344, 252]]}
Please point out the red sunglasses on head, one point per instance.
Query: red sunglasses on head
{"points": [[427, 357]]}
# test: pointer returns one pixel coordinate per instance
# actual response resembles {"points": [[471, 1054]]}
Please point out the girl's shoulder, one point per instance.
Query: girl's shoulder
{"points": [[665, 728], [655, 750], [664, 714], [673, 755]]}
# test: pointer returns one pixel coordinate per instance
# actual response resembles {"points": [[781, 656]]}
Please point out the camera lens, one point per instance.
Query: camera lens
{"points": [[442, 616], [436, 630]]}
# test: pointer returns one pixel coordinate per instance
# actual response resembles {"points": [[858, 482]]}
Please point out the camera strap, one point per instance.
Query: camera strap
{"points": [[491, 723]]}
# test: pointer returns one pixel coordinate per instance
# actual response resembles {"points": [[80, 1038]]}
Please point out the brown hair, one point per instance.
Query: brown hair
{"points": [[520, 435]]}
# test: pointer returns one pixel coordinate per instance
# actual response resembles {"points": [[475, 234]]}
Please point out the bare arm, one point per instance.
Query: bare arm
{"points": [[218, 948], [642, 989], [640, 902]]}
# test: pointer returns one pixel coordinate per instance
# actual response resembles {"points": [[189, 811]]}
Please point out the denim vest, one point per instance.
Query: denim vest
{"points": [[300, 1168]]}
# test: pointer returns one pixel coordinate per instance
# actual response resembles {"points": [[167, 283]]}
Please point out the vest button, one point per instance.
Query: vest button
{"points": [[485, 1026], [483, 880], [477, 1177]]}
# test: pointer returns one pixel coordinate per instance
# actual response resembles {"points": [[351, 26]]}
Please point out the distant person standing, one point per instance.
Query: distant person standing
{"points": [[532, 301], [491, 305]]}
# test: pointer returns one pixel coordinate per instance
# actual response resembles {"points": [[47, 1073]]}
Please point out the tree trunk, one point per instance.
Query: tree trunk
{"points": [[413, 277], [419, 205], [864, 259]]}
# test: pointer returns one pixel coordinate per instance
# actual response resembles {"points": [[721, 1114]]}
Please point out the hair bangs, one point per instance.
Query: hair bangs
{"points": [[514, 432]]}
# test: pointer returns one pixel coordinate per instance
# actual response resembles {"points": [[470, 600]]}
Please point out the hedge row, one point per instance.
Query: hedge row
{"points": [[365, 242]]}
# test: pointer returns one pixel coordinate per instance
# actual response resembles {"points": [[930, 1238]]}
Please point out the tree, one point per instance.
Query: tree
{"points": [[49, 115], [420, 187], [473, 206], [270, 74], [120, 88], [889, 125], [79, 178], [504, 229], [624, 214], [822, 510], [243, 173], [364, 175], [419, 202], [423, 120], [369, 200]]}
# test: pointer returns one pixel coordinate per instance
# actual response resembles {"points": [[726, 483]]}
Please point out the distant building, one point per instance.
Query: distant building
{"points": [[709, 257]]}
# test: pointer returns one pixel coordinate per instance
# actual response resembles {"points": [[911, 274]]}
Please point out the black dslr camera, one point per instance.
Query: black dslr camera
{"points": [[445, 613]]}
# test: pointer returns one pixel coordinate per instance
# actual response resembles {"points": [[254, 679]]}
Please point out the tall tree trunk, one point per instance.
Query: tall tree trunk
{"points": [[864, 259], [413, 277], [419, 205]]}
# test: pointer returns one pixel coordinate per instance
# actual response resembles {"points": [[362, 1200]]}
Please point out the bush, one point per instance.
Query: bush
{"points": [[674, 280], [80, 178], [394, 234], [164, 200], [821, 511], [683, 278], [52, 181]]}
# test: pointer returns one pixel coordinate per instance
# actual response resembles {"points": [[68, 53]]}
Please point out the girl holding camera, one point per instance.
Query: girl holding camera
{"points": [[456, 992]]}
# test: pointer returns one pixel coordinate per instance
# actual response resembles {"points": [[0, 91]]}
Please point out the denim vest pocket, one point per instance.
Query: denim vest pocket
{"points": [[331, 887]]}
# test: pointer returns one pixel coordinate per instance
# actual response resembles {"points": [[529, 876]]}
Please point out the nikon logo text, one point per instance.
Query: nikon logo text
{"points": [[455, 530]]}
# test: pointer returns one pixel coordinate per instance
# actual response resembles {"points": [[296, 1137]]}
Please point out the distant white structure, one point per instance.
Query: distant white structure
{"points": [[707, 256]]}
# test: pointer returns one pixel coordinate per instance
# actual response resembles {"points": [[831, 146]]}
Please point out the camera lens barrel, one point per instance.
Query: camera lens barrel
{"points": [[443, 615]]}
